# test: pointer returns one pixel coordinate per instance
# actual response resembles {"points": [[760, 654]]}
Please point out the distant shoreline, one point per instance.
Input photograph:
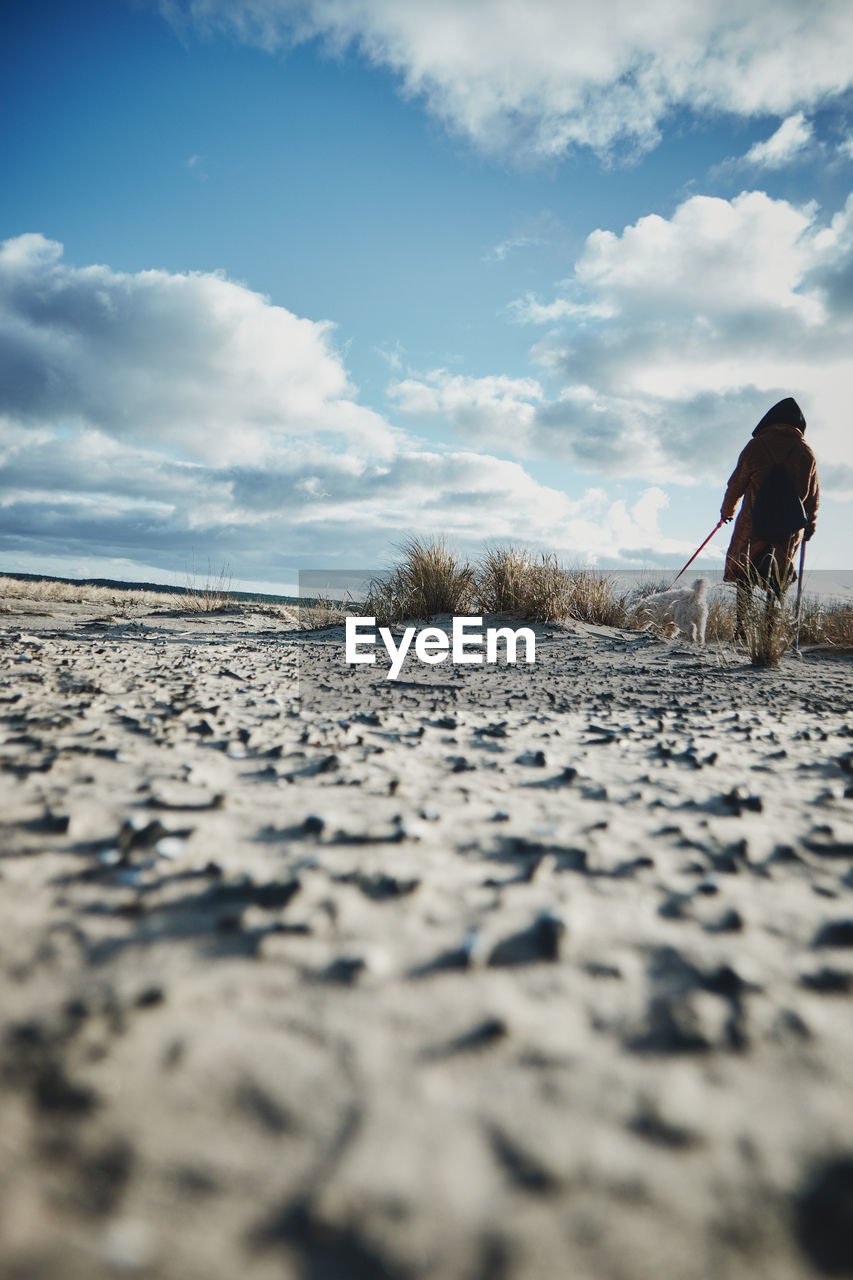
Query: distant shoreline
{"points": [[116, 584]]}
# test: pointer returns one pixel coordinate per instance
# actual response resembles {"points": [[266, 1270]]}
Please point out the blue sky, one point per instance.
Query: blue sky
{"points": [[285, 282]]}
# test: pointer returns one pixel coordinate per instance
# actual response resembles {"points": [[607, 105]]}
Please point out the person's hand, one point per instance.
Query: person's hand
{"points": [[726, 519]]}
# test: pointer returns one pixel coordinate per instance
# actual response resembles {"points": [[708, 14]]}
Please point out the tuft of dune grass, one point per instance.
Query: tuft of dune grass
{"points": [[502, 579], [430, 579], [593, 597], [509, 580], [210, 594], [770, 629], [321, 612], [829, 623], [721, 620], [769, 623]]}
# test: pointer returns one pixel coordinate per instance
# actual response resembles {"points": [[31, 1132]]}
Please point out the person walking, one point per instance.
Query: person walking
{"points": [[776, 475]]}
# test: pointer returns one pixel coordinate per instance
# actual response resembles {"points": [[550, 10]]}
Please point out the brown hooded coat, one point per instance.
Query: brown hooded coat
{"points": [[747, 560]]}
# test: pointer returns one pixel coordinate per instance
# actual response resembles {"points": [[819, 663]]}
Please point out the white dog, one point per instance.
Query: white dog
{"points": [[684, 610]]}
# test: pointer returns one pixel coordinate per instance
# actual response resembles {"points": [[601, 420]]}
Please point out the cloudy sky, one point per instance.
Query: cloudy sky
{"points": [[283, 281]]}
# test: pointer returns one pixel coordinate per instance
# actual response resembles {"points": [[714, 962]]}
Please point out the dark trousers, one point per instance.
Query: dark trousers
{"points": [[744, 600]]}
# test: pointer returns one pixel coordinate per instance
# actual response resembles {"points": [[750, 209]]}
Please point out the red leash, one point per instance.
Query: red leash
{"points": [[695, 553]]}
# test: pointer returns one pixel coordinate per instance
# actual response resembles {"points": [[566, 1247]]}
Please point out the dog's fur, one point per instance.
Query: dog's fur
{"points": [[681, 610]]}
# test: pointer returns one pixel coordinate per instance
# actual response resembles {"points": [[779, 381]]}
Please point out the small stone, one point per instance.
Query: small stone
{"points": [[675, 906], [828, 981], [494, 730], [345, 970], [784, 853], [105, 1174], [598, 969], [726, 981], [139, 832], [76, 1011], [824, 1217], [672, 1026], [265, 1109], [652, 1127], [272, 895], [149, 997], [827, 847], [368, 717], [55, 824], [540, 942], [730, 921], [55, 1093], [788, 1026], [379, 886], [485, 1034], [739, 799], [835, 933], [525, 1170], [461, 957], [313, 824]]}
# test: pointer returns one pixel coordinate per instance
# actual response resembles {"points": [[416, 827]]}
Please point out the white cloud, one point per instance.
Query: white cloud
{"points": [[194, 361], [483, 410], [91, 496], [502, 250], [545, 76], [529, 310], [714, 256], [197, 166], [789, 140], [542, 229], [144, 416], [678, 333]]}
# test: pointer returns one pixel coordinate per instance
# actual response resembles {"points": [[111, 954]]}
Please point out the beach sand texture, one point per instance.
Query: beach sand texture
{"points": [[485, 975]]}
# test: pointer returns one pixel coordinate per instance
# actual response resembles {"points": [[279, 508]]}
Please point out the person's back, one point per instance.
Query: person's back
{"points": [[776, 474]]}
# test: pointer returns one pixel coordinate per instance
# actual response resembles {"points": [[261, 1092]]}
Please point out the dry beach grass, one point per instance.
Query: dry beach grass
{"points": [[516, 973], [509, 581], [15, 590]]}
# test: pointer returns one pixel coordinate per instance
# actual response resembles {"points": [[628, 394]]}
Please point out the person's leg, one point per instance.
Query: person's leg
{"points": [[744, 599]]}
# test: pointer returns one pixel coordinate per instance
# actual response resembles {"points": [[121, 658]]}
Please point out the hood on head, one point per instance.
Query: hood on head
{"points": [[786, 412]]}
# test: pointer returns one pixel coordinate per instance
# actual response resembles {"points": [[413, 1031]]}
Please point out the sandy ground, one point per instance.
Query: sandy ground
{"points": [[520, 973]]}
